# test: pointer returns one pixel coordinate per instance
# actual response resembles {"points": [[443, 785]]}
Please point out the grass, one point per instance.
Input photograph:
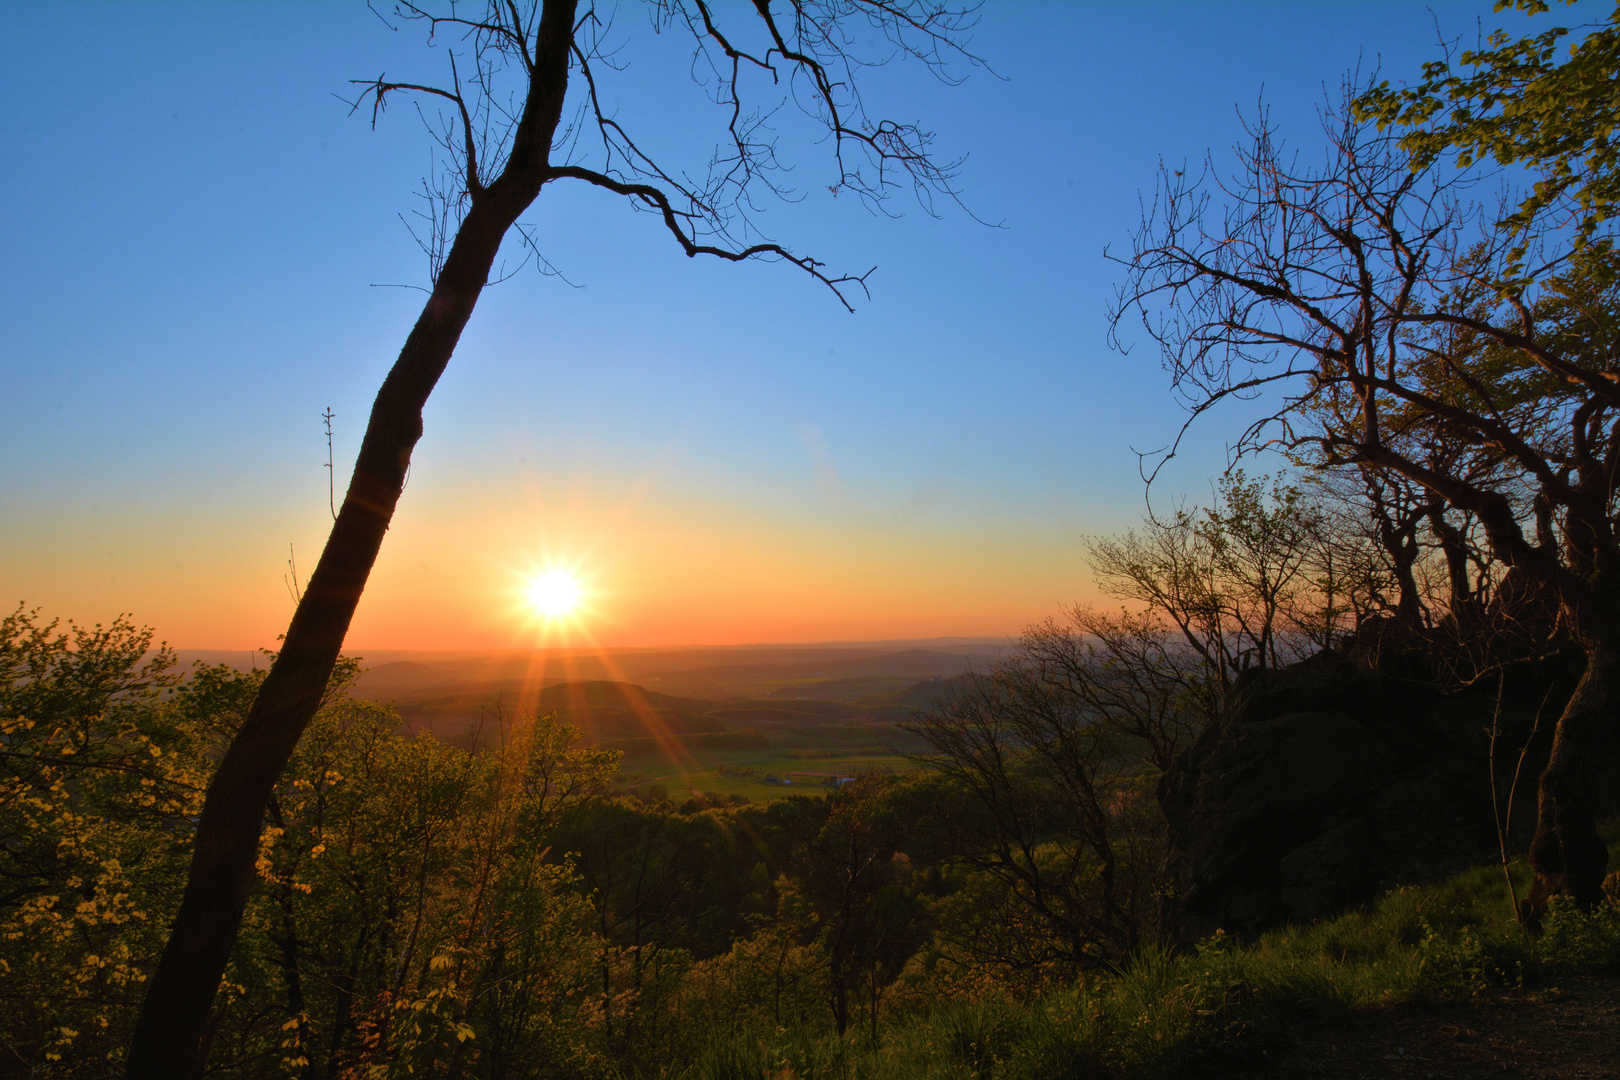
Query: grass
{"points": [[1204, 1011]]}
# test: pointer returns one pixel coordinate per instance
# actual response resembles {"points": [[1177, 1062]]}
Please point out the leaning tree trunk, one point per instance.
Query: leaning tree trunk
{"points": [[168, 1033], [1568, 855]]}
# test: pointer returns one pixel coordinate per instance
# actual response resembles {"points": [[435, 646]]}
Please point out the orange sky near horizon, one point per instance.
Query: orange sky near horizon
{"points": [[455, 570]]}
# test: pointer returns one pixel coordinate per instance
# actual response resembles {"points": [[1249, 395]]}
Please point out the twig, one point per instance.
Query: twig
{"points": [[1504, 820], [331, 483], [293, 587]]}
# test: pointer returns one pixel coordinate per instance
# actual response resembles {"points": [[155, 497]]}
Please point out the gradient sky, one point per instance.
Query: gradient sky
{"points": [[200, 237]]}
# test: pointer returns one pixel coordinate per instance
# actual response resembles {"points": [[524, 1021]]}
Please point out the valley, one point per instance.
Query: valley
{"points": [[709, 724]]}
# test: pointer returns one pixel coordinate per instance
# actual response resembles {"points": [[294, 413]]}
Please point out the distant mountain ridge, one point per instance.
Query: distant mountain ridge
{"points": [[690, 674]]}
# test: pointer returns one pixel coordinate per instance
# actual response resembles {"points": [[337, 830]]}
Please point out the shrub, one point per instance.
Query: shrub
{"points": [[1575, 941]]}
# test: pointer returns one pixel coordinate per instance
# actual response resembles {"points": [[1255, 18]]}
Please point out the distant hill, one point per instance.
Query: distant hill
{"points": [[707, 674], [401, 674], [600, 693], [769, 673], [709, 740], [848, 689], [913, 662], [930, 693], [876, 692], [629, 716], [598, 708], [750, 712]]}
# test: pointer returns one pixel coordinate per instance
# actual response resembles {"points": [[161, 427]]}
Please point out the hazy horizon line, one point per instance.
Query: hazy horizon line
{"points": [[466, 653]]}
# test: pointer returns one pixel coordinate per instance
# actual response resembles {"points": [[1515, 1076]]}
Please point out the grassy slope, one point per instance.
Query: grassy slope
{"points": [[1218, 1010]]}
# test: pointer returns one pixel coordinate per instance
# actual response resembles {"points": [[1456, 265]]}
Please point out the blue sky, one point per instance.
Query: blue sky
{"points": [[204, 245]]}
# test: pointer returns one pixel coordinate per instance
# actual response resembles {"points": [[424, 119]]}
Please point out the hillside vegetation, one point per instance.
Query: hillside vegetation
{"points": [[512, 909]]}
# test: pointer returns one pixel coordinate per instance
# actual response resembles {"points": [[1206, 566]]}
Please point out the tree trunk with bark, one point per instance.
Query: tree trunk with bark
{"points": [[167, 1040], [1568, 855]]}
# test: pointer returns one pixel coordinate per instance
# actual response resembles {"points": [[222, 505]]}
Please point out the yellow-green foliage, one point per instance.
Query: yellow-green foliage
{"points": [[409, 922], [776, 977], [98, 794]]}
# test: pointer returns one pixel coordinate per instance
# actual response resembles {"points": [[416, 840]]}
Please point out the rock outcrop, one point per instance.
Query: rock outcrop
{"points": [[1326, 783]]}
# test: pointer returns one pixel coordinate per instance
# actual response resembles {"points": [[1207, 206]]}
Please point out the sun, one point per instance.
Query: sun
{"points": [[555, 594]]}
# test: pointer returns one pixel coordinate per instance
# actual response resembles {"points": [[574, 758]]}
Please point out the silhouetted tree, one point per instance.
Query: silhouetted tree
{"points": [[519, 68], [1036, 769], [1381, 295], [1249, 582]]}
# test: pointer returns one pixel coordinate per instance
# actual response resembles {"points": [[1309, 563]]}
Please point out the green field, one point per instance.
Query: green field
{"points": [[744, 774]]}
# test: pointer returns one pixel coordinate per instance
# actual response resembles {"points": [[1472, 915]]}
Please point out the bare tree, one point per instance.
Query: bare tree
{"points": [[1248, 583], [1131, 672], [1045, 770], [1426, 574], [1384, 298], [515, 70]]}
